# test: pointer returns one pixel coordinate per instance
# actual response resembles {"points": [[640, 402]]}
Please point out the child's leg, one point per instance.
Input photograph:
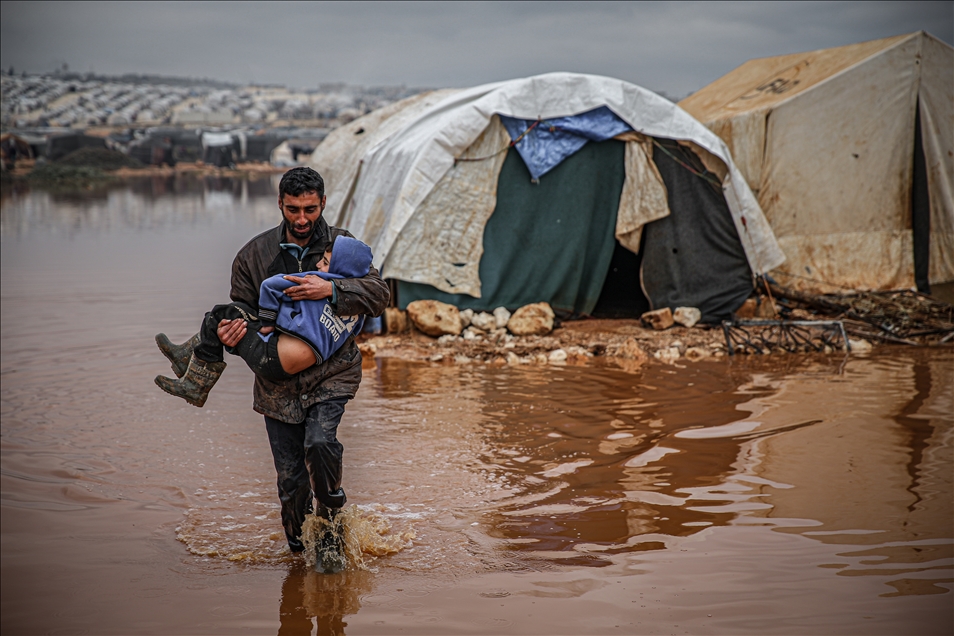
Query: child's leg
{"points": [[261, 354], [210, 347]]}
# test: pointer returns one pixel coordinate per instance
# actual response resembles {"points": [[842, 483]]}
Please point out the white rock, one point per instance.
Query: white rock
{"points": [[434, 318], [697, 353], [501, 317], [465, 317], [484, 321], [658, 319], [668, 356], [687, 316], [498, 335], [557, 355], [860, 346], [532, 320], [447, 339], [471, 333]]}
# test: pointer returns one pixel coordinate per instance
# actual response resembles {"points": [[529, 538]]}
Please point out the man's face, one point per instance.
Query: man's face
{"points": [[301, 213]]}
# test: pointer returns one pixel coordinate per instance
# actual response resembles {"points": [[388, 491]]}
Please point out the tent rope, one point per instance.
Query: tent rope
{"points": [[505, 148], [702, 175]]}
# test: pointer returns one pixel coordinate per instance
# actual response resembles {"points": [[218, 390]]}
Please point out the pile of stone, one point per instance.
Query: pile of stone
{"points": [[439, 332], [439, 320], [527, 336], [664, 318]]}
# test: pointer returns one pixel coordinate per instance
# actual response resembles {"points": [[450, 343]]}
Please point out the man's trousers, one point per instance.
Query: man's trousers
{"points": [[308, 460]]}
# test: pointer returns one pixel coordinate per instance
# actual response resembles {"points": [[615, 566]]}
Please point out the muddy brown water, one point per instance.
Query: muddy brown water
{"points": [[779, 495]]}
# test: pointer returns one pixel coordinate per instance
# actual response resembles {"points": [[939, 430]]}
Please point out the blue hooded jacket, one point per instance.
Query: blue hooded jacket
{"points": [[314, 321]]}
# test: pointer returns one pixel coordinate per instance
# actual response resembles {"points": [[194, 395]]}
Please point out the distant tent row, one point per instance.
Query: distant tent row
{"points": [[850, 151], [167, 146], [590, 193], [173, 145]]}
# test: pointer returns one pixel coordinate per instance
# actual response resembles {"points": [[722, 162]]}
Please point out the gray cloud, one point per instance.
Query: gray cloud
{"points": [[674, 47]]}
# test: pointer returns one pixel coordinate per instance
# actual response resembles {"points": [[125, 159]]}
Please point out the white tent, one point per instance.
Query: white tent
{"points": [[826, 139], [394, 177]]}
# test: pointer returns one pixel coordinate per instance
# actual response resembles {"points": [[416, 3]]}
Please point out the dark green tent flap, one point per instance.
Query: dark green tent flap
{"points": [[549, 241], [693, 257]]}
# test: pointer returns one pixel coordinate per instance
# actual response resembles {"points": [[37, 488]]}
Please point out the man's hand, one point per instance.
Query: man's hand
{"points": [[310, 287], [231, 332]]}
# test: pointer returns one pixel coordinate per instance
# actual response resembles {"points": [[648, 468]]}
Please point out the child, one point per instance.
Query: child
{"points": [[309, 332]]}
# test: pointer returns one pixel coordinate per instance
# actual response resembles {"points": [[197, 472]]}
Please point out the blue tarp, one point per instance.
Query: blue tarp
{"points": [[552, 140]]}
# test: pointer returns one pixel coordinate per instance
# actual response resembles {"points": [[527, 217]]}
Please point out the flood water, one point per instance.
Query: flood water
{"points": [[775, 495]]}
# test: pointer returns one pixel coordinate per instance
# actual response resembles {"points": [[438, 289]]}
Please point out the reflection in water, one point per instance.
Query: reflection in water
{"points": [[322, 598], [141, 203], [784, 494], [588, 463]]}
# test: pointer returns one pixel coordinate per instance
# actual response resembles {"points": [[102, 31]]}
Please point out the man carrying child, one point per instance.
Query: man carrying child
{"points": [[302, 412]]}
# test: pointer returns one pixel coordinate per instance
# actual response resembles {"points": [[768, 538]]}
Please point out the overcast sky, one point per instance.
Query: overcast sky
{"points": [[672, 47]]}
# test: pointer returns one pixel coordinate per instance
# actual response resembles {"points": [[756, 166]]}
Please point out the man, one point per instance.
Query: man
{"points": [[302, 414]]}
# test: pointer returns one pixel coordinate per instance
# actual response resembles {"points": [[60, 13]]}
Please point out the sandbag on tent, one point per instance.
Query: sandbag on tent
{"points": [[426, 195], [828, 141]]}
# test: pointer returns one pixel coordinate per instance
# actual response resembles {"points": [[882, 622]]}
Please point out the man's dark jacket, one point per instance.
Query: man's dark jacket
{"points": [[339, 375]]}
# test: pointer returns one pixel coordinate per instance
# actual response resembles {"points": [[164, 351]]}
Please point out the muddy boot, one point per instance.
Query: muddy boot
{"points": [[329, 553], [195, 384], [178, 355]]}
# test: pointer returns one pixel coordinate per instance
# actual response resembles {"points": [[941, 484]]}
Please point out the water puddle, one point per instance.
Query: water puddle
{"points": [[780, 494]]}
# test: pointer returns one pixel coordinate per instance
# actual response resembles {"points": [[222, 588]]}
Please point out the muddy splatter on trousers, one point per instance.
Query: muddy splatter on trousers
{"points": [[308, 459]]}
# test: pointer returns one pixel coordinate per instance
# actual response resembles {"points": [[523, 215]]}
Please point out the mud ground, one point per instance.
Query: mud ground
{"points": [[624, 342]]}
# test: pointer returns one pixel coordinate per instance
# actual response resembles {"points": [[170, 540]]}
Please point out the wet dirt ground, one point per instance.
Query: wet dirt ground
{"points": [[751, 495]]}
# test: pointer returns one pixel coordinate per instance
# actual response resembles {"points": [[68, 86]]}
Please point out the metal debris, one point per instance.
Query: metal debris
{"points": [[899, 316], [792, 336]]}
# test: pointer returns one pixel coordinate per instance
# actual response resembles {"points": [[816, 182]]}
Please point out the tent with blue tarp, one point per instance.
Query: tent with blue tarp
{"points": [[586, 192]]}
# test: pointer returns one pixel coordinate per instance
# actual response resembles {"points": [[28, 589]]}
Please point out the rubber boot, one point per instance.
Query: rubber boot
{"points": [[178, 355], [195, 384], [329, 553]]}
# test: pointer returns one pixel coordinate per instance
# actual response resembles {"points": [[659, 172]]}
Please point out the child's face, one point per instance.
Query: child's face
{"points": [[324, 262]]}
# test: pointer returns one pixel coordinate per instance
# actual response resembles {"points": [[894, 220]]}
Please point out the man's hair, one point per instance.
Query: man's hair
{"points": [[298, 181]]}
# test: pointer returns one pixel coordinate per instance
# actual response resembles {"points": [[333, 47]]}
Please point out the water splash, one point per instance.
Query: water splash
{"points": [[364, 531]]}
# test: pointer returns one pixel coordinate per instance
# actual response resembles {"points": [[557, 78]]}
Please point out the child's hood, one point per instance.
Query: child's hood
{"points": [[350, 258]]}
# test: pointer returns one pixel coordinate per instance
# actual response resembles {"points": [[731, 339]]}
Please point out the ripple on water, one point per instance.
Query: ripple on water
{"points": [[213, 532]]}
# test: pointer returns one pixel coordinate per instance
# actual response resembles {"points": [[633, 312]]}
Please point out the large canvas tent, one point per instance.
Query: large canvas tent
{"points": [[850, 151], [558, 188]]}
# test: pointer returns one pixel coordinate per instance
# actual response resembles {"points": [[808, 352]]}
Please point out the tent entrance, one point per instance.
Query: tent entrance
{"points": [[920, 210], [622, 296]]}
